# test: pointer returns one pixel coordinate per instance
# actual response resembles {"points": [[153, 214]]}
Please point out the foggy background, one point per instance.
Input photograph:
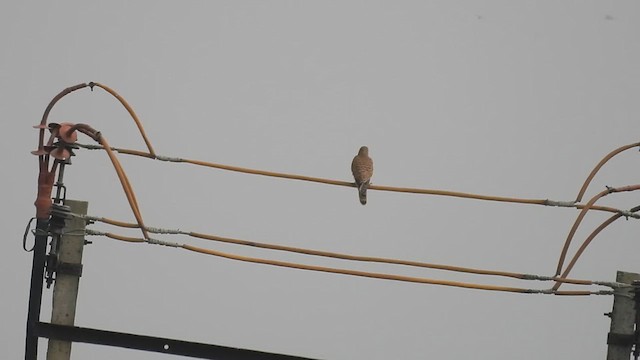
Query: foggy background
{"points": [[506, 98]]}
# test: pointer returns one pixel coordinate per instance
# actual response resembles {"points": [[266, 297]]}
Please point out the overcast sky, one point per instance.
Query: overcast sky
{"points": [[510, 98]]}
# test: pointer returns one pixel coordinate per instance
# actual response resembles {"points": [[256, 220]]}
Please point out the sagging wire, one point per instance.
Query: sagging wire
{"points": [[588, 241], [583, 212], [544, 202], [304, 251], [373, 275]]}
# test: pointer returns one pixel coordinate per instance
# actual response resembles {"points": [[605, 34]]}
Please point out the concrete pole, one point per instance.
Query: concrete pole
{"points": [[65, 290], [623, 319]]}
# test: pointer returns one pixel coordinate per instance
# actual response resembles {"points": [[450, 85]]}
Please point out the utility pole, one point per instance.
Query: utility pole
{"points": [[622, 335], [68, 272], [35, 294]]}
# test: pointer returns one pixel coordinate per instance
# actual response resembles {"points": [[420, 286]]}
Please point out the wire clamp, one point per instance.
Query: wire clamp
{"points": [[548, 202], [69, 269], [169, 159]]}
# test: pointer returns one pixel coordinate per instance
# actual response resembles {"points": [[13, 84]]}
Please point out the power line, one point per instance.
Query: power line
{"points": [[46, 175], [304, 251], [357, 273], [544, 202]]}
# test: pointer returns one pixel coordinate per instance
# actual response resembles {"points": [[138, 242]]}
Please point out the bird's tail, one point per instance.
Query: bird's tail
{"points": [[362, 192]]}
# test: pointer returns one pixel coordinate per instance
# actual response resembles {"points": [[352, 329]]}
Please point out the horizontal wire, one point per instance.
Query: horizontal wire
{"points": [[373, 275], [544, 202], [343, 256]]}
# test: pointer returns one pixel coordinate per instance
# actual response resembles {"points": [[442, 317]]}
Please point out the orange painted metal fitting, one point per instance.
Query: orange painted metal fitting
{"points": [[41, 151], [61, 153], [67, 133], [43, 200]]}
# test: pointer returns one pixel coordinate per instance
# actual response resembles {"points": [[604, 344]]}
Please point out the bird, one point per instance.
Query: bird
{"points": [[362, 169]]}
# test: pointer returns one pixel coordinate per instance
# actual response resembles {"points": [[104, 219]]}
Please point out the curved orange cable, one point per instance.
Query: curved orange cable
{"points": [[584, 245], [588, 241], [126, 185], [599, 165], [581, 215], [45, 175], [126, 105], [45, 115]]}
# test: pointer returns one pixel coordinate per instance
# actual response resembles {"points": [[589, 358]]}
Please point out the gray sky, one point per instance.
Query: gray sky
{"points": [[506, 98]]}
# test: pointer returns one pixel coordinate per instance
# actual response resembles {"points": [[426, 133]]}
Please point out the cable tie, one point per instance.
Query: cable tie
{"points": [[548, 202], [162, 242], [169, 158]]}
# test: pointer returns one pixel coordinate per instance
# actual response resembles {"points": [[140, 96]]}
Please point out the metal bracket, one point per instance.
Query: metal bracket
{"points": [[620, 339], [69, 269], [153, 344]]}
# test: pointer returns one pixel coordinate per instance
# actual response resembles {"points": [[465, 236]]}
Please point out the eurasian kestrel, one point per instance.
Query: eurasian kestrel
{"points": [[362, 169]]}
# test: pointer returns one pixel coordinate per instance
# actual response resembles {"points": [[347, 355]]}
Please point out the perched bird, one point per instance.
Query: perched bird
{"points": [[362, 169]]}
